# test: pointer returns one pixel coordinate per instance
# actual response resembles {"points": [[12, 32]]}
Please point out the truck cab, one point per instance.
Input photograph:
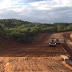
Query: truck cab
{"points": [[52, 43]]}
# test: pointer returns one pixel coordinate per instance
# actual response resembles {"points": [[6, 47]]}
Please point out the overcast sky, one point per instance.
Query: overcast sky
{"points": [[45, 11]]}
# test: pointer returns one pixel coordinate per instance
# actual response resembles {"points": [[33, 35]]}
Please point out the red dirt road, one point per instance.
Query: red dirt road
{"points": [[36, 57]]}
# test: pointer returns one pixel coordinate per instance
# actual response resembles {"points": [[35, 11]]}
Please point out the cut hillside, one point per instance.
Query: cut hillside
{"points": [[67, 35], [68, 43]]}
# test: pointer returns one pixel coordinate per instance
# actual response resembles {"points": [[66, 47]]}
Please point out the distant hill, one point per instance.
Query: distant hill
{"points": [[13, 22], [24, 31]]}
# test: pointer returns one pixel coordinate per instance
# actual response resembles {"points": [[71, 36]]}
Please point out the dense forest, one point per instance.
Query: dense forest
{"points": [[23, 31]]}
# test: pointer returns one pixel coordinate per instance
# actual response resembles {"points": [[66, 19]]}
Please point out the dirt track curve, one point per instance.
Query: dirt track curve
{"points": [[36, 57]]}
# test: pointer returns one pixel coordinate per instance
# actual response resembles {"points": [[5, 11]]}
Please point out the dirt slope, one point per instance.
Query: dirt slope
{"points": [[37, 57], [67, 35]]}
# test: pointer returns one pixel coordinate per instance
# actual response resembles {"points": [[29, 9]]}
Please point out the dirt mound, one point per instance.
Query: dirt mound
{"points": [[67, 35]]}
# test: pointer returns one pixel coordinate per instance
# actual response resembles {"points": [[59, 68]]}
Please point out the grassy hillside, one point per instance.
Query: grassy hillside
{"points": [[23, 31]]}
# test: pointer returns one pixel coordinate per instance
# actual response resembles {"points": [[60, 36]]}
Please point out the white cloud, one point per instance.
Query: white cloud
{"points": [[9, 3], [19, 5], [37, 11], [5, 4], [50, 4]]}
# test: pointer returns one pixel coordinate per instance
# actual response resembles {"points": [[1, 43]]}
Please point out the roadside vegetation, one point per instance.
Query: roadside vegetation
{"points": [[23, 31]]}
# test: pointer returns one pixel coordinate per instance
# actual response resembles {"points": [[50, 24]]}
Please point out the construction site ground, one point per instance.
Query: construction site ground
{"points": [[35, 57]]}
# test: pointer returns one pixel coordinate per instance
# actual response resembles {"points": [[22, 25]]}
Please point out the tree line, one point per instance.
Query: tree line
{"points": [[23, 31]]}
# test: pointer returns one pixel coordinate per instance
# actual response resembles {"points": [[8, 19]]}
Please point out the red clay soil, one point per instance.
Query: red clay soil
{"points": [[35, 57], [42, 38], [67, 35], [66, 45], [68, 66]]}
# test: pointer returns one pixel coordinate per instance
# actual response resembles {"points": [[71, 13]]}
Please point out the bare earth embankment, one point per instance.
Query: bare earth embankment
{"points": [[36, 57]]}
